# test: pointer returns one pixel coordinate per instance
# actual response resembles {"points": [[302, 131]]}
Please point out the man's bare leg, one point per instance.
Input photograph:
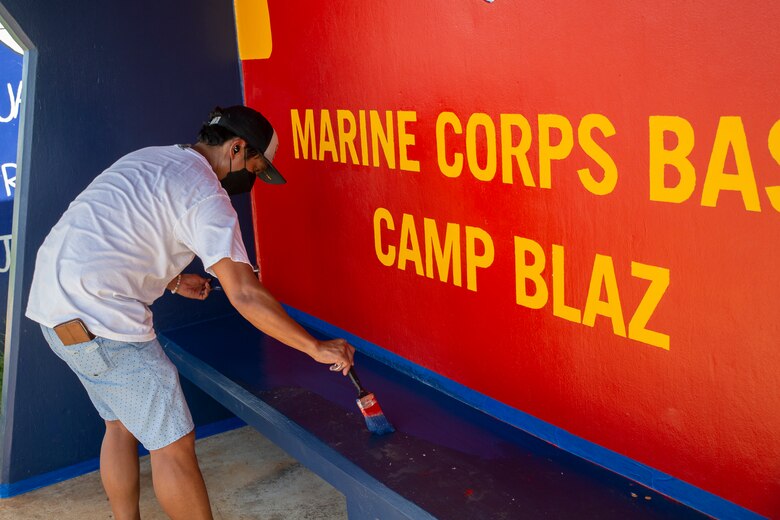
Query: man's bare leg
{"points": [[119, 471], [178, 482]]}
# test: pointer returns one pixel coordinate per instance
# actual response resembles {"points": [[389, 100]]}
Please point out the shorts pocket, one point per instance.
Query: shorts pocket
{"points": [[91, 359]]}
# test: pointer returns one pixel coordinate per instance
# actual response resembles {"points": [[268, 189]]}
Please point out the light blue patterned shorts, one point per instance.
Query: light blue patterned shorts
{"points": [[134, 383]]}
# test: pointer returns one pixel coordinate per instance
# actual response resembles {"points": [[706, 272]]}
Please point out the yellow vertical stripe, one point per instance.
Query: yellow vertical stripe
{"points": [[253, 28]]}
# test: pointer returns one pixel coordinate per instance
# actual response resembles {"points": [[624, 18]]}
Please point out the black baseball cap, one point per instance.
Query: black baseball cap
{"points": [[252, 127]]}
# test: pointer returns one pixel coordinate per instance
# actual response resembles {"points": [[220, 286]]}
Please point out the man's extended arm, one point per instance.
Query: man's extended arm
{"points": [[260, 308]]}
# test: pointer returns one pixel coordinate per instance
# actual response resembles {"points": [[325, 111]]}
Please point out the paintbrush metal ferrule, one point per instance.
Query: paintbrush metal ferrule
{"points": [[366, 402]]}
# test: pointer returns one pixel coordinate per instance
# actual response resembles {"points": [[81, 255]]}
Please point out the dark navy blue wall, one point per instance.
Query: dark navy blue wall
{"points": [[110, 77]]}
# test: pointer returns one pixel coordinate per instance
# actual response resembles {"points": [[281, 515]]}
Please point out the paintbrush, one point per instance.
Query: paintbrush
{"points": [[375, 420]]}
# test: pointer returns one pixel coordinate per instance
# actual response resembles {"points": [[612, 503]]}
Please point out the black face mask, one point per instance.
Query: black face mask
{"points": [[239, 181]]}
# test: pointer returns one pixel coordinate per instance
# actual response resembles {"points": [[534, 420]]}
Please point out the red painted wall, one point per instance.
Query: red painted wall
{"points": [[683, 376]]}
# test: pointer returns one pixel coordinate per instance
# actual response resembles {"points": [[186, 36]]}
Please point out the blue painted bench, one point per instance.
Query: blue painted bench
{"points": [[446, 460]]}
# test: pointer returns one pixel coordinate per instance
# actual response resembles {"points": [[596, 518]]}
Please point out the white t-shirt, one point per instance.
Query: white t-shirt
{"points": [[128, 234]]}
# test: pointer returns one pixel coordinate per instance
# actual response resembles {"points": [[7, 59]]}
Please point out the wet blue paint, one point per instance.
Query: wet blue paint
{"points": [[449, 458], [666, 484]]}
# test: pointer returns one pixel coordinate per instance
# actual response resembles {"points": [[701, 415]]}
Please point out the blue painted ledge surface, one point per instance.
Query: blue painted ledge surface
{"points": [[668, 485], [52, 477]]}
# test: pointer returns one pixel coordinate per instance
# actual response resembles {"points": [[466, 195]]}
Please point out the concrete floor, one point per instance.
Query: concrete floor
{"points": [[247, 476]]}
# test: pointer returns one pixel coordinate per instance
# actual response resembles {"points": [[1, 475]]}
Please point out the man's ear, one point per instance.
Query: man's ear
{"points": [[236, 145]]}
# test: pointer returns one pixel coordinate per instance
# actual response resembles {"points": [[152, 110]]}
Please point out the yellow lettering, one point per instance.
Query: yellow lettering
{"points": [[409, 246], [473, 260], [303, 133], [450, 170], [327, 140], [519, 152], [560, 308], [602, 158], [659, 281], [532, 273], [378, 134], [676, 157], [603, 275], [449, 254], [405, 140], [363, 138], [382, 215], [549, 152], [774, 149], [489, 171], [347, 135], [730, 134]]}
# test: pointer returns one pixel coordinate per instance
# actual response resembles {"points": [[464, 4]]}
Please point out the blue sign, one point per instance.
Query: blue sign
{"points": [[10, 101]]}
